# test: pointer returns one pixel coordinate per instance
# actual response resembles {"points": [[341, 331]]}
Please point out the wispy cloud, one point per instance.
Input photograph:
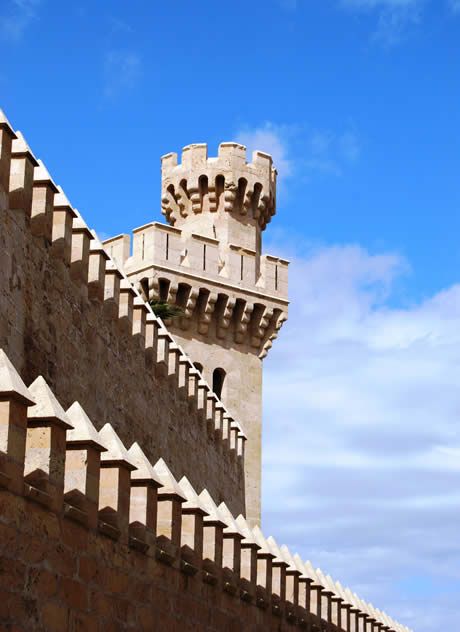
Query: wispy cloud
{"points": [[272, 139], [122, 71], [394, 17], [17, 17], [298, 148], [368, 411]]}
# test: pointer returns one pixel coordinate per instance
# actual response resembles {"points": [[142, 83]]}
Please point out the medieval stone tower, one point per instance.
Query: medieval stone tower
{"points": [[208, 261]]}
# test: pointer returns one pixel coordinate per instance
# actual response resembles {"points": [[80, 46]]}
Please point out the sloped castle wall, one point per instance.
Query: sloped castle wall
{"points": [[66, 313]]}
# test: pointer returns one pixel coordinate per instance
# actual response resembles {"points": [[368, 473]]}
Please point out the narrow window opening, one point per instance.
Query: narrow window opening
{"points": [[276, 277], [143, 246], [218, 378], [167, 246], [241, 267], [204, 256], [163, 289]]}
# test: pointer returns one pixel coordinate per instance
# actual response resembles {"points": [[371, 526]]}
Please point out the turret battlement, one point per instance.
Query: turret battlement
{"points": [[226, 183]]}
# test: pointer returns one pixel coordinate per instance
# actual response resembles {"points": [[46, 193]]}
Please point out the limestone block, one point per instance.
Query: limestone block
{"points": [[7, 135], [213, 536], [140, 312], [115, 482], [47, 424], [192, 528], [82, 465], [15, 399], [79, 260], [265, 559], [61, 236], [279, 568], [96, 269], [23, 163], [112, 281], [170, 499], [126, 306], [44, 189], [292, 584], [144, 497]]}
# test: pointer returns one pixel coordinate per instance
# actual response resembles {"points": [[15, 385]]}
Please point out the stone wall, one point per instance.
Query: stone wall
{"points": [[95, 538], [67, 313]]}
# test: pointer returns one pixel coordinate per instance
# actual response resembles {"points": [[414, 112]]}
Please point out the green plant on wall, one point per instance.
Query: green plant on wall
{"points": [[165, 310]]}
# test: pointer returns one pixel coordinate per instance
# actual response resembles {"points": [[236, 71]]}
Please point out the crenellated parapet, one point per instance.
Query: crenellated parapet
{"points": [[230, 296], [227, 183], [89, 488], [84, 270]]}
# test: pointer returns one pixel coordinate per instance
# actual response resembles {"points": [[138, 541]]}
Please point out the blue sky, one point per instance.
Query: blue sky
{"points": [[358, 101]]}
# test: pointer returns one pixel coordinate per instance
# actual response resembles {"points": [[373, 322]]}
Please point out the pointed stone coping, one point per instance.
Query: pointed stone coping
{"points": [[5, 124], [116, 453], [274, 548], [372, 612], [126, 286], [232, 528], [193, 502], [203, 384], [111, 266], [360, 604], [365, 607], [301, 567], [340, 591], [139, 301], [170, 487], [83, 434], [41, 176], [164, 333], [184, 359], [351, 599], [262, 542], [215, 516], [11, 384], [61, 201], [20, 149], [245, 530], [95, 245], [333, 588], [47, 407], [323, 582], [144, 474], [312, 573], [212, 395], [287, 557], [79, 225]]}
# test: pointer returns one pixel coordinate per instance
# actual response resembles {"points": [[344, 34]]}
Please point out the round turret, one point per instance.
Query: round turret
{"points": [[216, 185]]}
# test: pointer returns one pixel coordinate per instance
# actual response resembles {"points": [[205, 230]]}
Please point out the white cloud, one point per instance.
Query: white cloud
{"points": [[18, 15], [362, 433], [322, 151], [122, 70], [272, 139]]}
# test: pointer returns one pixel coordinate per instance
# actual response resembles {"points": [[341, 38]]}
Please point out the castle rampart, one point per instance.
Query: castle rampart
{"points": [[122, 498], [95, 537], [70, 314]]}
